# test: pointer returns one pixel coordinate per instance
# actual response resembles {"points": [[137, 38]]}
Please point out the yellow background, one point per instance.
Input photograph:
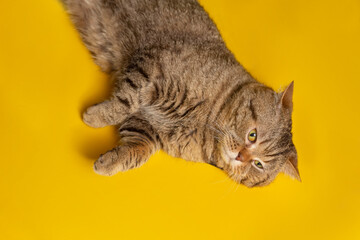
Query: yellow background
{"points": [[47, 184]]}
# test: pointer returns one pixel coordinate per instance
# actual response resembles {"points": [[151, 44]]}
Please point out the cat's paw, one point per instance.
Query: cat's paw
{"points": [[107, 164], [93, 118]]}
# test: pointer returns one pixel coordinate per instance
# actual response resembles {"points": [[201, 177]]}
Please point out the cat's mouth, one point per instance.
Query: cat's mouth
{"points": [[230, 157]]}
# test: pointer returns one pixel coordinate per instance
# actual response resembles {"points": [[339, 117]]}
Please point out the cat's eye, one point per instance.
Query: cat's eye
{"points": [[252, 135], [258, 164]]}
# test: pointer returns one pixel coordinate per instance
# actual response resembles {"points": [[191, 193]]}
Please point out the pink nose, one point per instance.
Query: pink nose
{"points": [[243, 156]]}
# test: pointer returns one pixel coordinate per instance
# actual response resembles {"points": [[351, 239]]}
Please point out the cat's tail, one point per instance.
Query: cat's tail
{"points": [[99, 27]]}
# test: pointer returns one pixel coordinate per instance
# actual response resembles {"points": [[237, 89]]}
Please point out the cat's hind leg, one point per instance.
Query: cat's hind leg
{"points": [[109, 112], [100, 25], [139, 141]]}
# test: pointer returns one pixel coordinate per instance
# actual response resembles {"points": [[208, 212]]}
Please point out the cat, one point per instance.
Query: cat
{"points": [[179, 89]]}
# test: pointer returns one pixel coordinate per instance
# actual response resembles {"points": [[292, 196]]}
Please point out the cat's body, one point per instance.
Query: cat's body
{"points": [[178, 88]]}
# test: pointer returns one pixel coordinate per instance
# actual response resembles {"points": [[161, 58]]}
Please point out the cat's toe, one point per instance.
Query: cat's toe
{"points": [[107, 164], [92, 119]]}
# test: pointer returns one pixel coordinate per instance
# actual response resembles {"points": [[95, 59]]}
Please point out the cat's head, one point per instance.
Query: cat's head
{"points": [[258, 143]]}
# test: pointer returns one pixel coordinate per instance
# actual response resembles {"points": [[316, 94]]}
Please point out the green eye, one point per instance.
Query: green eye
{"points": [[252, 135], [258, 164]]}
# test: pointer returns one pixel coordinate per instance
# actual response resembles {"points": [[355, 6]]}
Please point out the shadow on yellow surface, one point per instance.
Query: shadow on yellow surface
{"points": [[49, 190]]}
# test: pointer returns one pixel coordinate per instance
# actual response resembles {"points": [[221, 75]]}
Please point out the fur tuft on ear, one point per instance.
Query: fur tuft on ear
{"points": [[290, 167], [286, 98]]}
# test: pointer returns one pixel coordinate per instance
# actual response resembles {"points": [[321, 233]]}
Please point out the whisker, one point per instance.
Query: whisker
{"points": [[226, 178], [228, 191]]}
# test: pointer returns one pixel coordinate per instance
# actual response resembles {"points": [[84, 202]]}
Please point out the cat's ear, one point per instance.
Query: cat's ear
{"points": [[290, 167], [286, 97]]}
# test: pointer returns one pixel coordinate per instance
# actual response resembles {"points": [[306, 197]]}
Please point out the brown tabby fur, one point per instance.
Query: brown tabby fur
{"points": [[178, 88]]}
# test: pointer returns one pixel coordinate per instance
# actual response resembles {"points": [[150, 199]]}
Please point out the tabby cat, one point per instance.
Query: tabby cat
{"points": [[178, 88]]}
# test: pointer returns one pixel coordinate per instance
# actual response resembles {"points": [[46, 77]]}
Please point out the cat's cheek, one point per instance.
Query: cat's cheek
{"points": [[226, 156]]}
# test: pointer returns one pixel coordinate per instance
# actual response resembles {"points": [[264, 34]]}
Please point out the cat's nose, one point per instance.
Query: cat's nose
{"points": [[240, 157], [243, 156]]}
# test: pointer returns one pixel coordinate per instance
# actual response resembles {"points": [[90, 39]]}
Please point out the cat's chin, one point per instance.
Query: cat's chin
{"points": [[235, 162]]}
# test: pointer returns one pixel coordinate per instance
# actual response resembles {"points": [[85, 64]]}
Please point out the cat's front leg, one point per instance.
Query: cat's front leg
{"points": [[110, 112], [122, 158], [138, 142]]}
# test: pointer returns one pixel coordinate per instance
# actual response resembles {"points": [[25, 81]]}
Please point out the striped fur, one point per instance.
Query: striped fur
{"points": [[178, 88]]}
